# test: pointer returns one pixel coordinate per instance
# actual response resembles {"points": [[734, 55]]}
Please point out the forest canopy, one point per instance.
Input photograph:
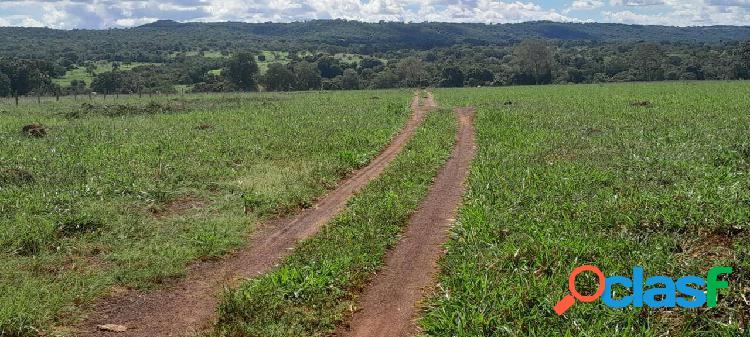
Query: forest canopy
{"points": [[340, 54]]}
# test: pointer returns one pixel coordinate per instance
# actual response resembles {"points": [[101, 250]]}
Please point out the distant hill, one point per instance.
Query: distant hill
{"points": [[155, 40]]}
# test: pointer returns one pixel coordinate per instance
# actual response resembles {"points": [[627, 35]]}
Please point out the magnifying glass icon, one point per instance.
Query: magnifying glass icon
{"points": [[570, 299]]}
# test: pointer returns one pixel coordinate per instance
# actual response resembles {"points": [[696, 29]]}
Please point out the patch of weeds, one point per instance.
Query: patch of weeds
{"points": [[737, 156], [119, 110], [17, 326], [76, 224], [255, 202], [352, 159], [28, 237]]}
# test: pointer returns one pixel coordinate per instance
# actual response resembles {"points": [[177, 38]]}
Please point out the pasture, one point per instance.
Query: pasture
{"points": [[616, 176], [125, 193], [113, 195]]}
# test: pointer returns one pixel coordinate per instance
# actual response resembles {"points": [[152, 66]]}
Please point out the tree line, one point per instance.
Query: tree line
{"points": [[529, 62]]}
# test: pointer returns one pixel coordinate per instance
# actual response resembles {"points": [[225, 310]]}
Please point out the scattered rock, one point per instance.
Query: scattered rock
{"points": [[34, 130], [508, 103], [641, 103], [112, 328]]}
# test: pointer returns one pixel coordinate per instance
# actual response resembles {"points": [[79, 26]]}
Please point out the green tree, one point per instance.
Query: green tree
{"points": [[647, 60], [4, 85], [91, 68], [308, 76], [350, 80], [452, 77], [107, 82], [532, 60], [241, 70], [278, 78], [385, 79], [411, 72], [741, 62], [329, 66]]}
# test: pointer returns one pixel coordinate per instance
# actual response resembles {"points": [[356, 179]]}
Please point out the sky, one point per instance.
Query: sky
{"points": [[102, 14]]}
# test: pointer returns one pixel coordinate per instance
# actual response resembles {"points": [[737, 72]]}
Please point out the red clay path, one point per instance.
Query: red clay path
{"points": [[389, 305], [189, 305]]}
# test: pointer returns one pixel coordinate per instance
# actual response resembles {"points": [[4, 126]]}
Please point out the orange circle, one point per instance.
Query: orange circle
{"points": [[572, 283]]}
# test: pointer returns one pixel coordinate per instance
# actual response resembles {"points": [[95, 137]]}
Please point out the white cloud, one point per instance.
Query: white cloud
{"points": [[586, 4], [636, 2], [130, 22], [68, 14]]}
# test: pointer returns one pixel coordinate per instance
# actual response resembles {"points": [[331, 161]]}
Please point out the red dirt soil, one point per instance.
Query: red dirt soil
{"points": [[390, 303], [189, 305]]}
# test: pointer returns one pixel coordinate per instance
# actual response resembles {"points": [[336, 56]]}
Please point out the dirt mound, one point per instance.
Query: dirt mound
{"points": [[592, 131], [15, 176], [34, 130], [178, 206]]}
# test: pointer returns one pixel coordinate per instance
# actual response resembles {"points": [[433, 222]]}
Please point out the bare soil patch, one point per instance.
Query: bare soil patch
{"points": [[390, 303], [34, 130]]}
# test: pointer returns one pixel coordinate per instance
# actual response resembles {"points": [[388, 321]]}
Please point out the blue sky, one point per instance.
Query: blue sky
{"points": [[99, 14]]}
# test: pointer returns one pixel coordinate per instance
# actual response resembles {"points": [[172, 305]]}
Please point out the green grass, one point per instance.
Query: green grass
{"points": [[126, 193], [314, 289], [80, 73], [349, 58], [573, 175]]}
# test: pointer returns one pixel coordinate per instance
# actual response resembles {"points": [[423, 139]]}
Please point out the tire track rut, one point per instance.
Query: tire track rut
{"points": [[389, 305], [189, 305]]}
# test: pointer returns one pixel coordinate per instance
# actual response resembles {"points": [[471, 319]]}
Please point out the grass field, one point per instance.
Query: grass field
{"points": [[652, 175], [125, 193], [315, 289], [80, 73]]}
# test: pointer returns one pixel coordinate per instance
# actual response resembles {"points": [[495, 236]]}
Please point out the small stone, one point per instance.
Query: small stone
{"points": [[112, 328]]}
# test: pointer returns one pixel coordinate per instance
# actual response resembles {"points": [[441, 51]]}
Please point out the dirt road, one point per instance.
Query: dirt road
{"points": [[189, 305], [390, 303]]}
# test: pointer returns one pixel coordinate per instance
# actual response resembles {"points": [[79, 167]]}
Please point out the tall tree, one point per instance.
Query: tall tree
{"points": [[4, 85], [452, 77], [411, 71], [278, 78], [647, 60], [241, 70], [329, 66], [108, 82], [533, 62], [308, 76], [385, 79], [350, 80]]}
